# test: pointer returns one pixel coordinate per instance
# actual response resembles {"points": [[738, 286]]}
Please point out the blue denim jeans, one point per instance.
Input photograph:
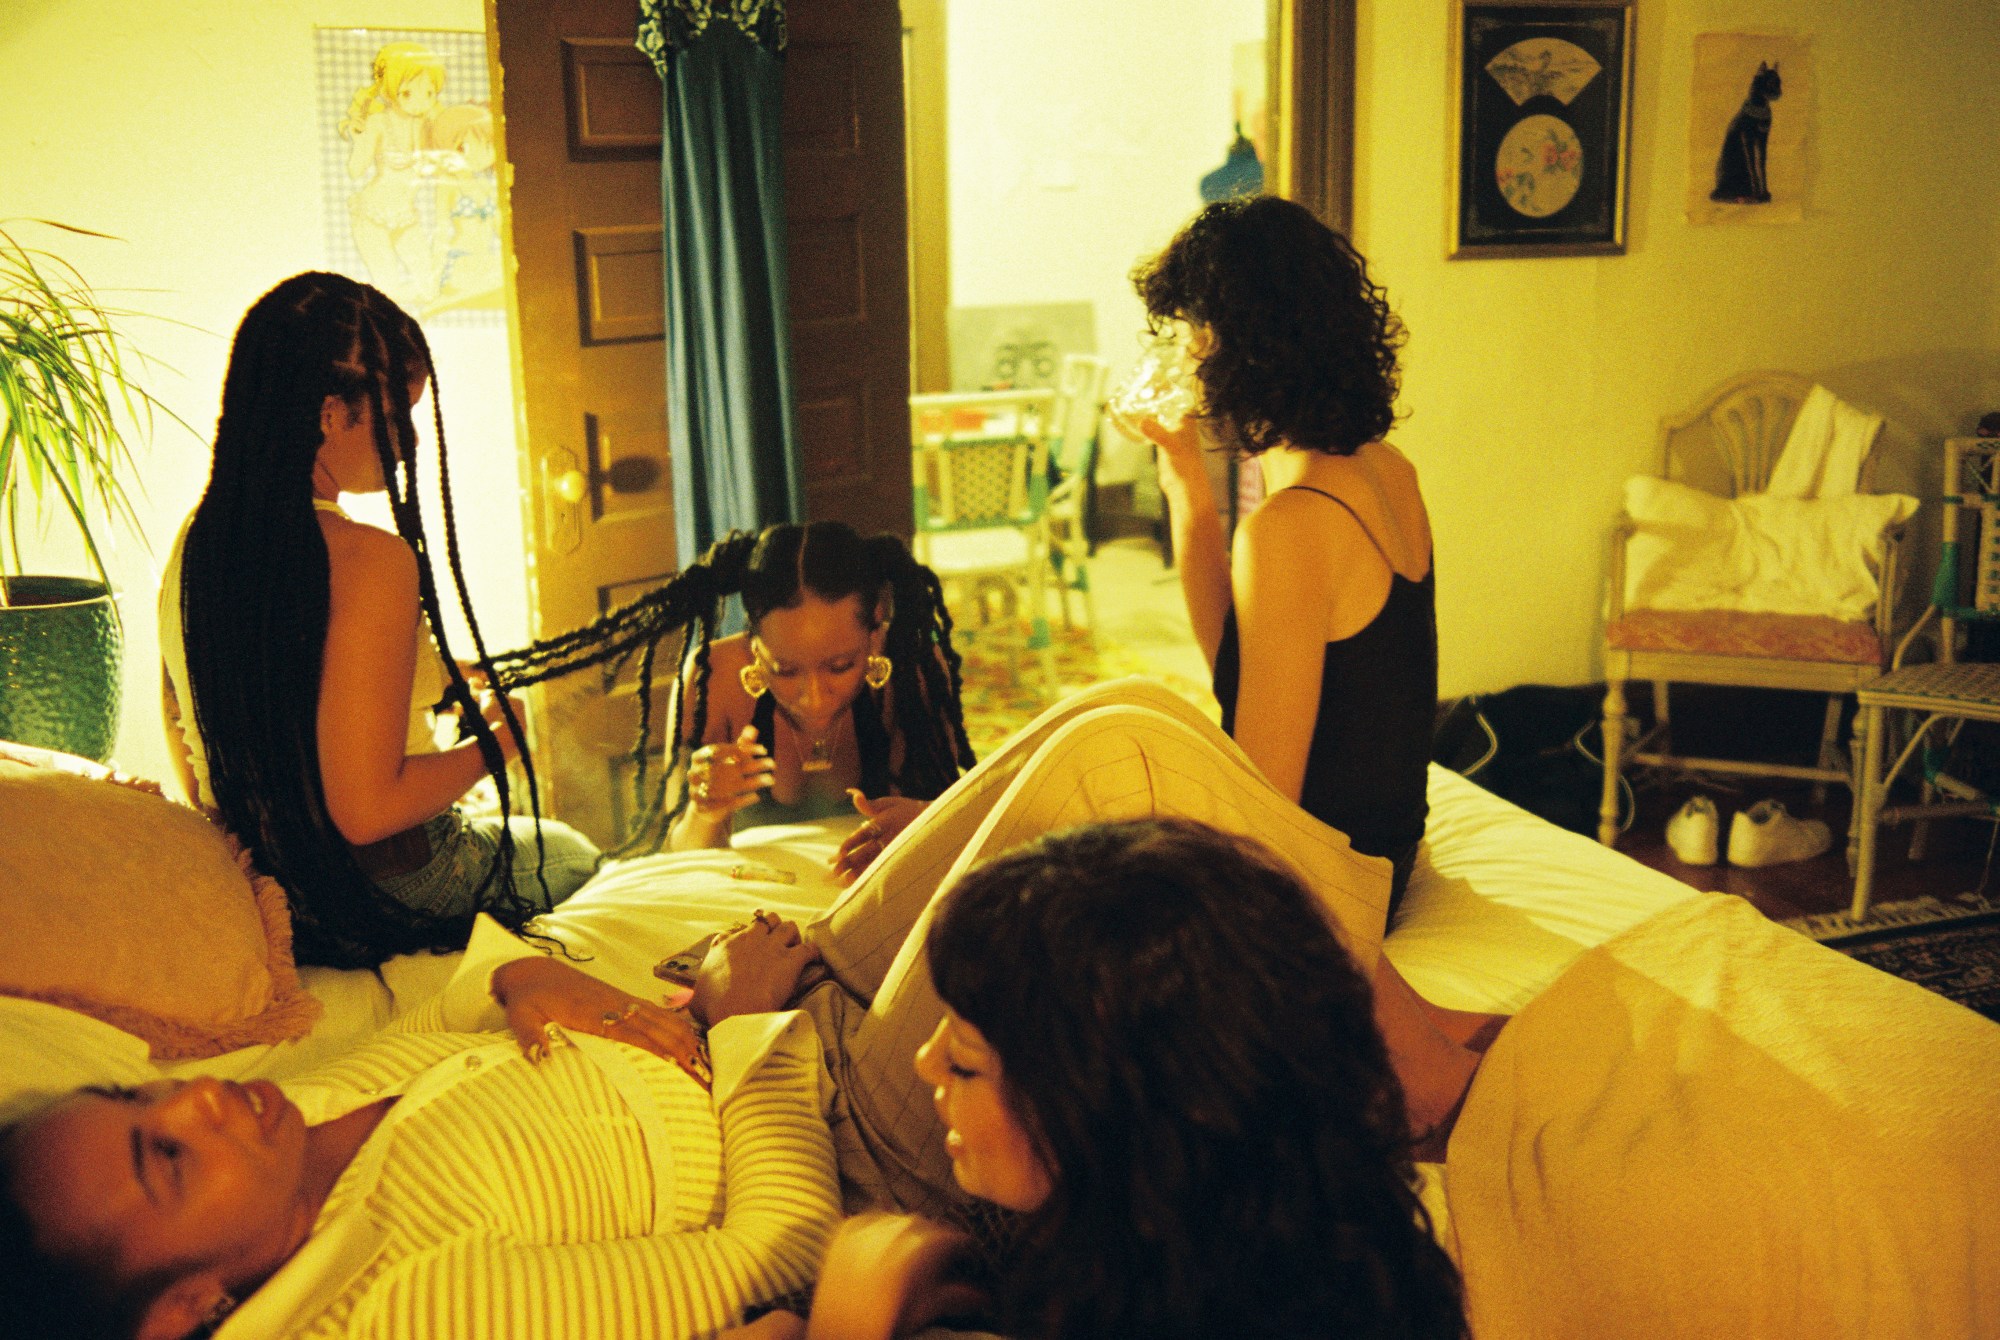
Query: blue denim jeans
{"points": [[462, 848]]}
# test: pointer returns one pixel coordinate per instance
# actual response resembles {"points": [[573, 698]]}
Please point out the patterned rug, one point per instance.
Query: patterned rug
{"points": [[1958, 959], [1005, 688], [1834, 927]]}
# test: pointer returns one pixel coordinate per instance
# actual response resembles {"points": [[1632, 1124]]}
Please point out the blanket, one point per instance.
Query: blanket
{"points": [[1711, 1126]]}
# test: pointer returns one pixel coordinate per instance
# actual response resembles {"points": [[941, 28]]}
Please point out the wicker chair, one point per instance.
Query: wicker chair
{"points": [[1727, 445], [981, 469]]}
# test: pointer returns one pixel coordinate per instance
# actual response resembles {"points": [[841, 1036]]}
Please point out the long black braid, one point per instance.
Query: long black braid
{"points": [[255, 600], [774, 570]]}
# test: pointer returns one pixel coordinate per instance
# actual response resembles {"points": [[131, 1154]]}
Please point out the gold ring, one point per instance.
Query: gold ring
{"points": [[613, 1018], [553, 1032]]}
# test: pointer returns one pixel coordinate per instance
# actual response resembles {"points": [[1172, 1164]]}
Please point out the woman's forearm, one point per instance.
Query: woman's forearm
{"points": [[1200, 551], [422, 787], [695, 831]]}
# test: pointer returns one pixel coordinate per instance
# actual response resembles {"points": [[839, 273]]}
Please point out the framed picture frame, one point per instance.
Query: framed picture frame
{"points": [[1541, 127]]}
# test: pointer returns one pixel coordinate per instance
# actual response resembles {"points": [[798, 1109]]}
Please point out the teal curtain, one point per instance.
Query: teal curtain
{"points": [[722, 192]]}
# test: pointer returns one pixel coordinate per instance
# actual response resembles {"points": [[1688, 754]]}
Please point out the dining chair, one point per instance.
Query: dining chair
{"points": [[981, 489]]}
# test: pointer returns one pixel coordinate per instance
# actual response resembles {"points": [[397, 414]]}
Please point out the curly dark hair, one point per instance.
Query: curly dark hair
{"points": [[1305, 343], [1195, 1057]]}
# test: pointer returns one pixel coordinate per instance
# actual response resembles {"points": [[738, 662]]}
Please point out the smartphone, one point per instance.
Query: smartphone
{"points": [[681, 969]]}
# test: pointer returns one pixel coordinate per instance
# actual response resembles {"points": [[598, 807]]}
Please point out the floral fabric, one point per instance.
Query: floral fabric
{"points": [[666, 26], [1790, 637]]}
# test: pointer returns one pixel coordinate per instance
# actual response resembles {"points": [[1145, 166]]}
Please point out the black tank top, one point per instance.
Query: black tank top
{"points": [[1367, 768]]}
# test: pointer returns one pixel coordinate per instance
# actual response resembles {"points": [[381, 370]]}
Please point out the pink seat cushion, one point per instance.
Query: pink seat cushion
{"points": [[1786, 637]]}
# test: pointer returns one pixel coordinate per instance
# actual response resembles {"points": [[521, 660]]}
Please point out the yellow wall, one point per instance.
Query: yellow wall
{"points": [[189, 131], [1079, 133], [1533, 388]]}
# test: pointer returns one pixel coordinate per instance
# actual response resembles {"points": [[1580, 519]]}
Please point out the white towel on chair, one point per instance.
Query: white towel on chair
{"points": [[1823, 453]]}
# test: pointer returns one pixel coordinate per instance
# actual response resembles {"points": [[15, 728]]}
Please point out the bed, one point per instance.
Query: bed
{"points": [[1501, 904]]}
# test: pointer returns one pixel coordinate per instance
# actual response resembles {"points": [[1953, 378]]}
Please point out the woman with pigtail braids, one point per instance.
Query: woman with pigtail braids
{"points": [[304, 653], [842, 695]]}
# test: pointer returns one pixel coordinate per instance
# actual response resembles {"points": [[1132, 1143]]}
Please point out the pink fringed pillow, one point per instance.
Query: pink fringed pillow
{"points": [[126, 906]]}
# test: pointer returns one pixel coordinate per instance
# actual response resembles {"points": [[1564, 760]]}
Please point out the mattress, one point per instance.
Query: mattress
{"points": [[1499, 904]]}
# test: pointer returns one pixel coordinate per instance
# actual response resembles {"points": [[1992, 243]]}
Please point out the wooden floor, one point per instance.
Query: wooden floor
{"points": [[1953, 864]]}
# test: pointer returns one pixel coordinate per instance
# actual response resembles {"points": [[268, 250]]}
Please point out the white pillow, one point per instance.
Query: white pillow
{"points": [[47, 1051], [1758, 554]]}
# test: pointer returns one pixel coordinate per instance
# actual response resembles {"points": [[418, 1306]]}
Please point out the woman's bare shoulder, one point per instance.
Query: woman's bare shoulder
{"points": [[729, 706], [362, 556]]}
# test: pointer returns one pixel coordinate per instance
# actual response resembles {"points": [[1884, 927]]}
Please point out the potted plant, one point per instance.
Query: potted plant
{"points": [[63, 384]]}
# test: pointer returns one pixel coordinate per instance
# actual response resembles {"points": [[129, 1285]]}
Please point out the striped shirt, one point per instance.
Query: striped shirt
{"points": [[599, 1194]]}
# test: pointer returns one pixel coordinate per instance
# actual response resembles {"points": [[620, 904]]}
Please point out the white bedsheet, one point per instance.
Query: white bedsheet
{"points": [[1500, 902]]}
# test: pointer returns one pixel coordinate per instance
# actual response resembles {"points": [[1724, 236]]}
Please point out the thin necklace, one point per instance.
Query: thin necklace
{"points": [[819, 757]]}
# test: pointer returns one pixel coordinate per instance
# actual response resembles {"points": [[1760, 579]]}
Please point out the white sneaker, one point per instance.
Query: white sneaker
{"points": [[1765, 834], [1693, 830]]}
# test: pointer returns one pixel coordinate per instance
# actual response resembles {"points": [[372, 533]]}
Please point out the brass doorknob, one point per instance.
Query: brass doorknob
{"points": [[571, 486]]}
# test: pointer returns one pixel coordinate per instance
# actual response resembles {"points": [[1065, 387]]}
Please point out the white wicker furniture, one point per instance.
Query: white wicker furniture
{"points": [[1726, 445]]}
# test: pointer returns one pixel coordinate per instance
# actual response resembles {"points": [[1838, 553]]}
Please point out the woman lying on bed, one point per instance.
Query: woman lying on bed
{"points": [[390, 1194]]}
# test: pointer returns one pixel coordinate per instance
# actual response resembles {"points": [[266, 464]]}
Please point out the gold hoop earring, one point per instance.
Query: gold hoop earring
{"points": [[755, 682], [878, 670]]}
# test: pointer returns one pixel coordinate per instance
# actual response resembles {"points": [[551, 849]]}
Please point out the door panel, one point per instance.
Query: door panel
{"points": [[845, 179], [580, 111]]}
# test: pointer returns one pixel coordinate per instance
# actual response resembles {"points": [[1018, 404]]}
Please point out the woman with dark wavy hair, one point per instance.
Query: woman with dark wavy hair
{"points": [[1155, 1048], [1321, 627]]}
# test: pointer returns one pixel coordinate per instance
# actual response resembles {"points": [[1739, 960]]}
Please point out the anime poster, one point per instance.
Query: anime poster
{"points": [[407, 164]]}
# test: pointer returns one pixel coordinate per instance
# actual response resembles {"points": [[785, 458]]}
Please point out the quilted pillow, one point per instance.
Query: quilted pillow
{"points": [[133, 909], [1757, 554]]}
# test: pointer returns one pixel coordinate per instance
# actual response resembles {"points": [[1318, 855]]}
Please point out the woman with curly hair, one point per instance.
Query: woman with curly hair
{"points": [[1325, 611]]}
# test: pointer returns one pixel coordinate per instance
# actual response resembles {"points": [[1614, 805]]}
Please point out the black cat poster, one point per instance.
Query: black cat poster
{"points": [[1543, 103], [1749, 128]]}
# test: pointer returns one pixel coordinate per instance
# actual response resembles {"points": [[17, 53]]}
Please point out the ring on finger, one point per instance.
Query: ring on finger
{"points": [[613, 1018]]}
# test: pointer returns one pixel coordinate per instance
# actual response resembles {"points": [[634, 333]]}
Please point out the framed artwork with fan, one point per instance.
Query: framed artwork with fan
{"points": [[1541, 99]]}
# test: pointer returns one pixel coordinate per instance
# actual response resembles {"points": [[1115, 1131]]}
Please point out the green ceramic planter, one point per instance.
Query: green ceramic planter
{"points": [[60, 650]]}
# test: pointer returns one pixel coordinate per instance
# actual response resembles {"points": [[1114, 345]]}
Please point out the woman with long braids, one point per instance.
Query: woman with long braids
{"points": [[844, 688], [304, 656], [842, 695]]}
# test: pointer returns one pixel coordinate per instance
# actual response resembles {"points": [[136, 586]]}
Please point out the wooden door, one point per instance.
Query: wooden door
{"points": [[579, 121], [849, 244]]}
